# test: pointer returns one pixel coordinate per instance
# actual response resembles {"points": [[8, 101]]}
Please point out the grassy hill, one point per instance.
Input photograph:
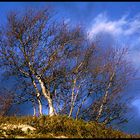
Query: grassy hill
{"points": [[55, 127]]}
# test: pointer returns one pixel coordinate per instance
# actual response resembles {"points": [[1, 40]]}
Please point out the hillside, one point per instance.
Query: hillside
{"points": [[55, 127]]}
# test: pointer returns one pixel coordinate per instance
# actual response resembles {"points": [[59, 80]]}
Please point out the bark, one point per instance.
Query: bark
{"points": [[74, 85], [47, 96], [38, 98], [72, 98], [34, 111], [34, 108], [105, 97], [44, 91], [40, 107], [36, 89]]}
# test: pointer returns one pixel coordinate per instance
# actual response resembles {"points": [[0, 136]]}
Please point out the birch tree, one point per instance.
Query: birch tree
{"points": [[111, 73], [32, 44]]}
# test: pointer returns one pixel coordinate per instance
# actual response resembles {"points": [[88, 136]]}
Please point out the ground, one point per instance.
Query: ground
{"points": [[55, 127]]}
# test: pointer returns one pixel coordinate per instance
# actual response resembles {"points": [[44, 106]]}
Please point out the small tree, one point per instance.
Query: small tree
{"points": [[111, 73], [6, 102]]}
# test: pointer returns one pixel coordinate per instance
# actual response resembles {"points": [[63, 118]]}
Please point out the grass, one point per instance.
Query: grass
{"points": [[56, 126]]}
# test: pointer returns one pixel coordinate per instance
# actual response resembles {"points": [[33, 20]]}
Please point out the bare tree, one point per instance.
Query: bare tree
{"points": [[31, 45], [94, 82], [111, 73], [57, 62], [6, 101]]}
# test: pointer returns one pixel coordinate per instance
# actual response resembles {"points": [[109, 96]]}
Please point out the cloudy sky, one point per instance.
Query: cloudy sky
{"points": [[117, 22]]}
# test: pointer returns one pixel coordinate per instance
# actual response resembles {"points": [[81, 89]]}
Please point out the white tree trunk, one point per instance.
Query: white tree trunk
{"points": [[36, 89], [40, 107], [72, 97], [45, 92], [105, 97], [38, 98], [34, 108], [34, 111], [101, 106], [47, 96]]}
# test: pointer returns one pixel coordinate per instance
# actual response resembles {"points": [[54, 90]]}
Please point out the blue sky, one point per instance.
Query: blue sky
{"points": [[120, 22]]}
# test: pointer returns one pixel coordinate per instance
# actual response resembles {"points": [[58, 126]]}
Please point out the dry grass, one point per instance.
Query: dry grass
{"points": [[58, 127]]}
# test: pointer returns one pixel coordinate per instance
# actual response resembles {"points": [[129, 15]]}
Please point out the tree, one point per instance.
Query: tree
{"points": [[56, 61], [111, 73], [6, 101], [31, 46]]}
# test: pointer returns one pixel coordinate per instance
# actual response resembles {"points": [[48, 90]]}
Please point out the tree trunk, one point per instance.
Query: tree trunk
{"points": [[40, 107], [101, 106], [47, 96], [105, 97], [72, 97], [44, 91], [34, 111], [38, 98], [34, 108]]}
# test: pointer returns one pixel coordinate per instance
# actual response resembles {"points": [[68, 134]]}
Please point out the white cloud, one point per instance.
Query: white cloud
{"points": [[122, 26], [126, 30]]}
